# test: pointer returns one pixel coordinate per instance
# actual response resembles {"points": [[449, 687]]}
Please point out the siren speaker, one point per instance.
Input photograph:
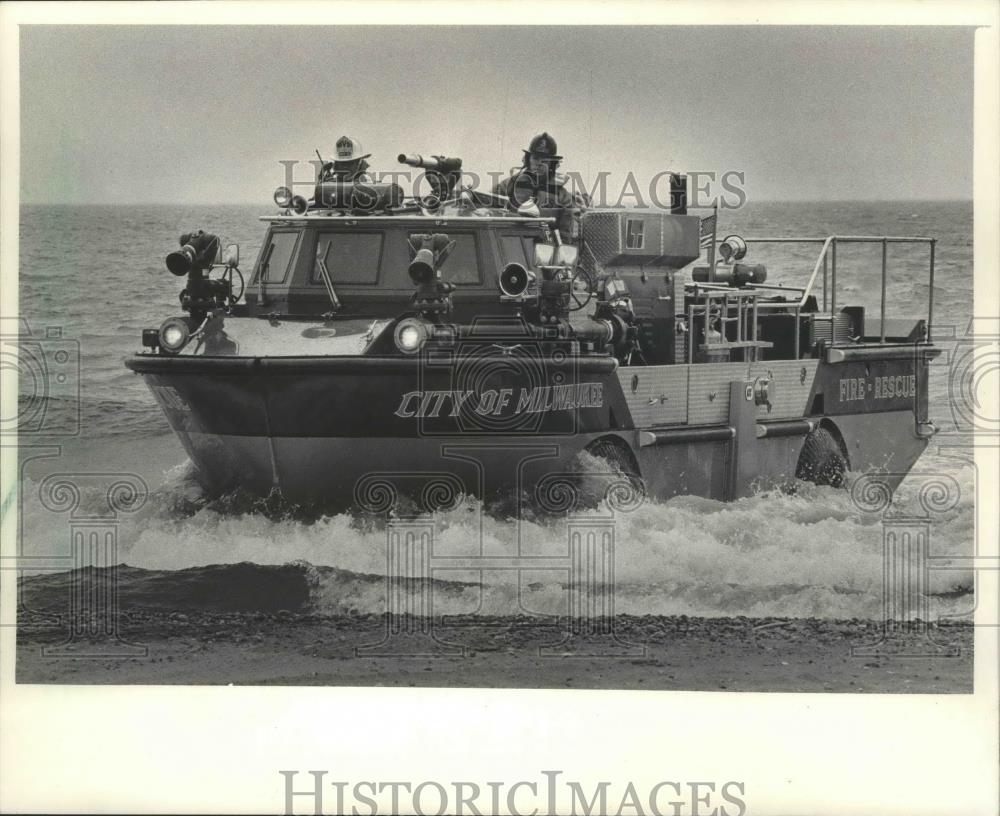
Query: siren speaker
{"points": [[514, 280]]}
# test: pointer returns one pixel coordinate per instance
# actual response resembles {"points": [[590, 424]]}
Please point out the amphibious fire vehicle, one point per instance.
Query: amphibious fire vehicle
{"points": [[462, 344]]}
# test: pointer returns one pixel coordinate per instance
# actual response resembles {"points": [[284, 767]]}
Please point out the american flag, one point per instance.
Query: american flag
{"points": [[708, 230]]}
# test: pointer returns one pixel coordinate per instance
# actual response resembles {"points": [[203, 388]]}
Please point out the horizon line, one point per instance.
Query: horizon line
{"points": [[938, 200]]}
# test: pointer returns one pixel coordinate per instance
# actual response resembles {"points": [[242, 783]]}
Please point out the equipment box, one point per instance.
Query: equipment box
{"points": [[638, 237]]}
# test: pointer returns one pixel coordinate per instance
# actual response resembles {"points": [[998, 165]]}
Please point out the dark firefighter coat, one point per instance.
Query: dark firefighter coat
{"points": [[554, 198]]}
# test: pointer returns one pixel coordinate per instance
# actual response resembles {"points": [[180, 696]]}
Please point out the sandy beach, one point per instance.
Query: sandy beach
{"points": [[648, 652]]}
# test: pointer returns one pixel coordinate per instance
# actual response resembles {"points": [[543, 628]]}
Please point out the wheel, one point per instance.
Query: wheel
{"points": [[607, 473], [620, 461], [626, 488], [821, 460]]}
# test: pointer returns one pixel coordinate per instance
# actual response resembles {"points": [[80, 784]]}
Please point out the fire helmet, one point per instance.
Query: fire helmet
{"points": [[543, 146], [349, 149]]}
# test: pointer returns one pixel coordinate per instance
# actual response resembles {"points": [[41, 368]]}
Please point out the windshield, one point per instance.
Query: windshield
{"points": [[350, 257], [513, 249], [276, 256]]}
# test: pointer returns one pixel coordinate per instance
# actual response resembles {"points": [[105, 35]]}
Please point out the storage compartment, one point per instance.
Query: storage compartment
{"points": [[638, 237]]}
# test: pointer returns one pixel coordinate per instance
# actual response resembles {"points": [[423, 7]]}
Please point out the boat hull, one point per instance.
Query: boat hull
{"points": [[364, 431]]}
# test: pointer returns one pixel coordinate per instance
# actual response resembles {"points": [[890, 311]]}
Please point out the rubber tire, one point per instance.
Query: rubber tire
{"points": [[821, 460], [621, 461], [618, 458]]}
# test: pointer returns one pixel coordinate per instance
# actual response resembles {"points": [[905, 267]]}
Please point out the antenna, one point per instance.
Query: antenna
{"points": [[590, 123], [503, 121]]}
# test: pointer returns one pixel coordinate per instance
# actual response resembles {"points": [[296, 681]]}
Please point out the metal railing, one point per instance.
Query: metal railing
{"points": [[827, 261], [745, 319]]}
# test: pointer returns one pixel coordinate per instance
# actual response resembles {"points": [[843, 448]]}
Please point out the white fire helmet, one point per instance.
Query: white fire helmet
{"points": [[349, 149]]}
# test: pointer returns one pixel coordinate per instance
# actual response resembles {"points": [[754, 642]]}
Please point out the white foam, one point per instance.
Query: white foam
{"points": [[812, 554]]}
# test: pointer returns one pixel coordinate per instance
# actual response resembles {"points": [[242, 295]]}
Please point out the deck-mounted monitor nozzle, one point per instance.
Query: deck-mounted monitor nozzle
{"points": [[443, 174], [197, 252], [429, 254], [433, 295], [422, 269], [438, 164]]}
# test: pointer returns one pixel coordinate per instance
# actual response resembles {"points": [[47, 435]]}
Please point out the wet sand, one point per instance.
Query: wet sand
{"points": [[648, 652]]}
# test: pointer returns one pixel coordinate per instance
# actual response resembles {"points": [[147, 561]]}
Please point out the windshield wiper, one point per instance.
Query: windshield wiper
{"points": [[328, 282], [265, 269]]}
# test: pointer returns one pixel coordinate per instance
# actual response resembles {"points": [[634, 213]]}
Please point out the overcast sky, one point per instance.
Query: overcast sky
{"points": [[204, 114]]}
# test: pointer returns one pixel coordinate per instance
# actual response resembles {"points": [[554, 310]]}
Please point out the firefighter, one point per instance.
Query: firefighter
{"points": [[538, 179], [349, 162]]}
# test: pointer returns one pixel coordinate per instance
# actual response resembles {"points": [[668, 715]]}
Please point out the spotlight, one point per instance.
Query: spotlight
{"points": [[174, 334], [410, 335], [732, 248], [283, 197]]}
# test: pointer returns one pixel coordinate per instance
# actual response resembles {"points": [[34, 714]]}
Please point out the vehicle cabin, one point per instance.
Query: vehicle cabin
{"points": [[367, 260], [632, 256]]}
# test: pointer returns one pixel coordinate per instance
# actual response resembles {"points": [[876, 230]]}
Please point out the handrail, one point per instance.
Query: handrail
{"points": [[828, 260], [831, 241], [812, 278]]}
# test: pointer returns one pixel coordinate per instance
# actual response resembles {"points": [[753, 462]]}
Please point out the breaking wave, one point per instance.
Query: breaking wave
{"points": [[811, 553]]}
